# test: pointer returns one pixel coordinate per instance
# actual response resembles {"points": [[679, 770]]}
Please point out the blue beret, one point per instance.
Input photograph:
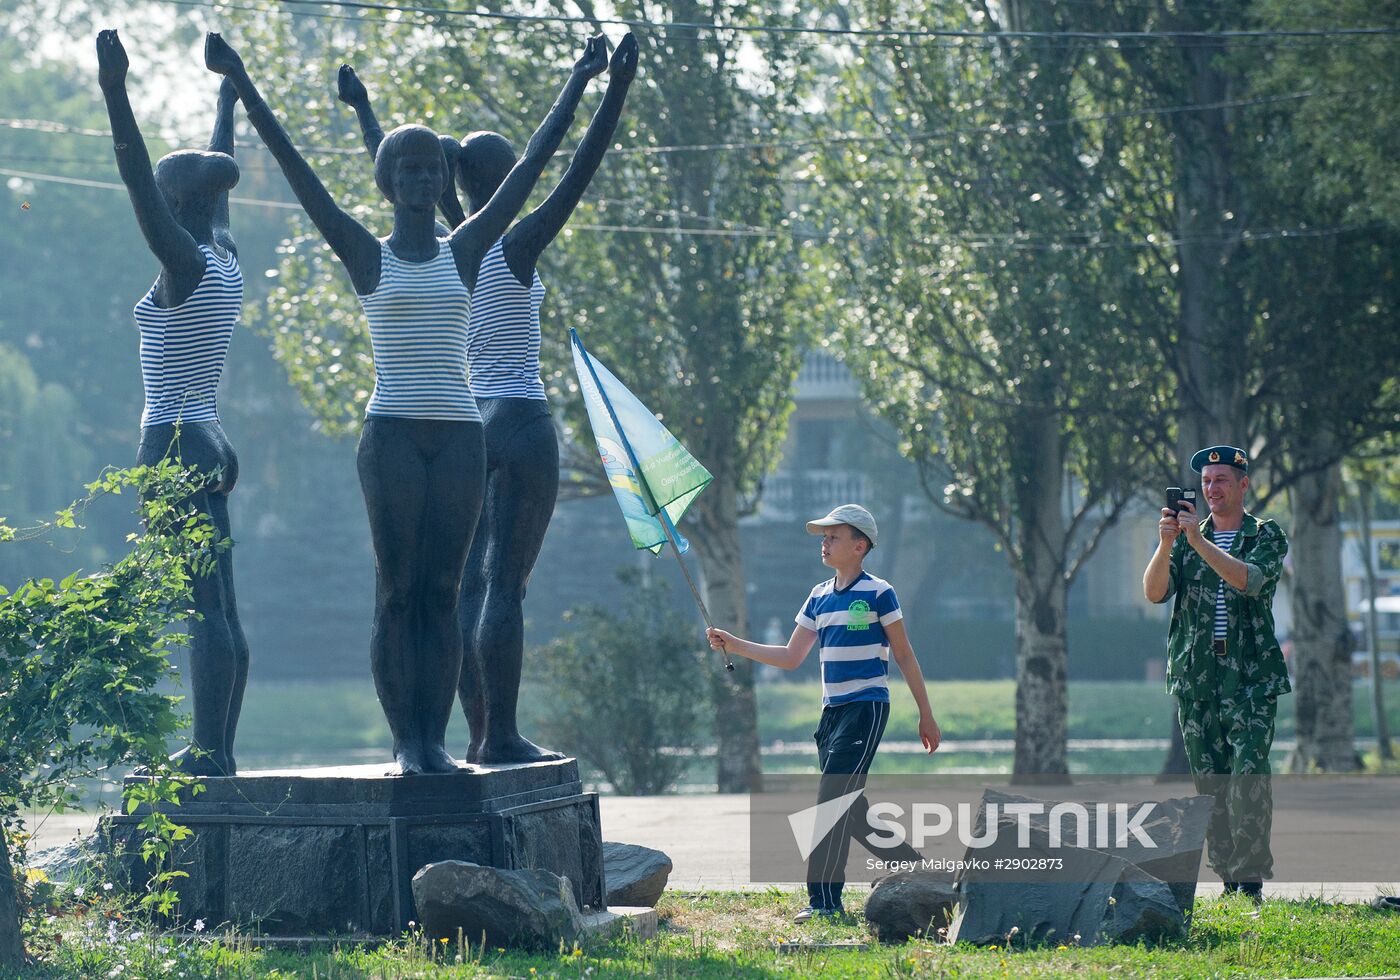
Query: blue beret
{"points": [[1228, 455]]}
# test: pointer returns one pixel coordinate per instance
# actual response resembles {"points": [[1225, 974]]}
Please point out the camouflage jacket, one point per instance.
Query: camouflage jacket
{"points": [[1253, 665]]}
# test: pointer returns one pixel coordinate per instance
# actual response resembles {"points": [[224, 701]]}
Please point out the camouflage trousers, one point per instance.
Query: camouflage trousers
{"points": [[1228, 744]]}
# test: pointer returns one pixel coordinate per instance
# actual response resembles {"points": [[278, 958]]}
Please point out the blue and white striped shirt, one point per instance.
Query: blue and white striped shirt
{"points": [[504, 332], [1223, 541], [183, 348], [850, 626], [418, 330]]}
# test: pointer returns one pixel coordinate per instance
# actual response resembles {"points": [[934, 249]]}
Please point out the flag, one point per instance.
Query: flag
{"points": [[652, 475]]}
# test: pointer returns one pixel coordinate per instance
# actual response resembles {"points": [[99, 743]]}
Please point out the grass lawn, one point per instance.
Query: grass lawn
{"points": [[727, 935]]}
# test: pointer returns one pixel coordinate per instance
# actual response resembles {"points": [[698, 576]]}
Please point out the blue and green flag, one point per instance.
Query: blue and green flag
{"points": [[652, 475]]}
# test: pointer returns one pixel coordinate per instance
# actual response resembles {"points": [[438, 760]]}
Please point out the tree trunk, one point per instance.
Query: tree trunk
{"points": [[1042, 696], [1364, 494], [1210, 351], [1321, 640], [11, 945], [716, 540]]}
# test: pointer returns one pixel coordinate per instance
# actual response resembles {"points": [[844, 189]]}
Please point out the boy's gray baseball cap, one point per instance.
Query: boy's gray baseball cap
{"points": [[853, 514]]}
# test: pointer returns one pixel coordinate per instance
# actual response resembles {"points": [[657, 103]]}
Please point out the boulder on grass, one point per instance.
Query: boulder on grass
{"points": [[80, 861], [525, 907], [1085, 896], [911, 903], [636, 875]]}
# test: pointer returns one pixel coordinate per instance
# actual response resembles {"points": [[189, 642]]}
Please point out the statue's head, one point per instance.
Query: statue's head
{"points": [[410, 167], [192, 178], [486, 159]]}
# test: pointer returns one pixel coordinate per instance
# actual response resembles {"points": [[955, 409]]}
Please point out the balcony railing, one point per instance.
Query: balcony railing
{"points": [[789, 496], [823, 376]]}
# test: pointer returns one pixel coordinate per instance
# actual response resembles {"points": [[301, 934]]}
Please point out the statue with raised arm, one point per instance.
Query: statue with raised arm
{"points": [[352, 91], [522, 451], [186, 320], [421, 457]]}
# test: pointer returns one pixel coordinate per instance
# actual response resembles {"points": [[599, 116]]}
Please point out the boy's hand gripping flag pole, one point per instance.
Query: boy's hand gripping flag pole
{"points": [[653, 477]]}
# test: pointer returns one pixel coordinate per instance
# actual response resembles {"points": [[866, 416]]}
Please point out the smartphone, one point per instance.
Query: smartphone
{"points": [[1176, 496]]}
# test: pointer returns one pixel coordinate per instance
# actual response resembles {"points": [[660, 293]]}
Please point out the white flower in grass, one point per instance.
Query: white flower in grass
{"points": [[198, 925], [106, 886], [79, 891]]}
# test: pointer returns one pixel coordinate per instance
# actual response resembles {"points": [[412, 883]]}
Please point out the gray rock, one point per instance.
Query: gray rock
{"points": [[636, 875], [911, 903], [1091, 897], [1048, 907], [1176, 826], [526, 907], [80, 861], [1143, 907]]}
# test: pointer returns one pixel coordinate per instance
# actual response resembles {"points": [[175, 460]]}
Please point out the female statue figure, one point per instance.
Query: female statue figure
{"points": [[185, 321], [421, 457], [522, 451]]}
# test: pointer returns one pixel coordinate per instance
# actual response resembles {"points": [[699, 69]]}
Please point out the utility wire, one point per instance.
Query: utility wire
{"points": [[883, 33], [975, 241], [1020, 127], [824, 35]]}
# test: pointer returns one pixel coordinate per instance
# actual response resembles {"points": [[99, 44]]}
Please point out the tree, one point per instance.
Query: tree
{"points": [[641, 659], [695, 301], [997, 321], [81, 660], [1262, 260], [1326, 354]]}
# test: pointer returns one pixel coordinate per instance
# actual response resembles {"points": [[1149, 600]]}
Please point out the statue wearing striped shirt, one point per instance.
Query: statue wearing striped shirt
{"points": [[421, 457], [522, 450], [185, 321]]}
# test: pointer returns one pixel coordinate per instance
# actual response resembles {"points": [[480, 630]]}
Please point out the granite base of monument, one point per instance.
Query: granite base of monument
{"points": [[302, 852]]}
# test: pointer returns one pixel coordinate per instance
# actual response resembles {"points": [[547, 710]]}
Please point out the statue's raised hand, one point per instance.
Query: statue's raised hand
{"points": [[112, 62], [349, 88], [219, 56], [594, 59], [623, 65], [228, 92]]}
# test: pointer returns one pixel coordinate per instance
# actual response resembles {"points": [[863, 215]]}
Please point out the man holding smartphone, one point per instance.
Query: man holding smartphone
{"points": [[1224, 664]]}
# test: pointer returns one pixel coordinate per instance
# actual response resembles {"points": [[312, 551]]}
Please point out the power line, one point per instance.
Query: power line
{"points": [[109, 185], [1012, 241], [824, 35], [1021, 127], [884, 33]]}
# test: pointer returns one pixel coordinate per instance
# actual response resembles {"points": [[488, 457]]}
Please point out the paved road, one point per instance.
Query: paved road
{"points": [[707, 838]]}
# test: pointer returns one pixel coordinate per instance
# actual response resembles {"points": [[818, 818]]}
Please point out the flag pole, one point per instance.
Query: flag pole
{"points": [[665, 519]]}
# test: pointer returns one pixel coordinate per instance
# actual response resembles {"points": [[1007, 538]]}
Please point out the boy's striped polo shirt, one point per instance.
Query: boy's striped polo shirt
{"points": [[850, 626]]}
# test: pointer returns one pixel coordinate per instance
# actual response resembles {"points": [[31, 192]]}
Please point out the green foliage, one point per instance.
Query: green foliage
{"points": [[1348, 128], [81, 660], [626, 684], [985, 305]]}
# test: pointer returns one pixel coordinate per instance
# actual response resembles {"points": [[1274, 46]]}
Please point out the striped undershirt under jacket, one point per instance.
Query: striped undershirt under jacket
{"points": [[418, 330], [183, 348], [1223, 541], [504, 335]]}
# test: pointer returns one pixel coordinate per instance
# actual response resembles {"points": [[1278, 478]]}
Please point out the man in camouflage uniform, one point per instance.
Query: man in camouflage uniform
{"points": [[1223, 662]]}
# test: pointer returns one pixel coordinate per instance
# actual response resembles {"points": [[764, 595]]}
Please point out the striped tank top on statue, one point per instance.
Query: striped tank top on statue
{"points": [[504, 343], [418, 330], [183, 348]]}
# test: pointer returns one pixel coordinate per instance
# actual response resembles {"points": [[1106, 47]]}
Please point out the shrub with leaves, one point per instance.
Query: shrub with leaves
{"points": [[80, 664], [626, 688]]}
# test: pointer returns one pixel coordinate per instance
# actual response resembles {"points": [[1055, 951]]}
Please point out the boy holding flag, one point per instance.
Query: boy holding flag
{"points": [[859, 623]]}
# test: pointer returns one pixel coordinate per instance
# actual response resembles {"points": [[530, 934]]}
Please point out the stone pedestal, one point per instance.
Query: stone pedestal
{"points": [[317, 851]]}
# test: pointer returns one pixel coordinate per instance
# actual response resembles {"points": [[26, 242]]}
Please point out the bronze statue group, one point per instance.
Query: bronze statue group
{"points": [[458, 458]]}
